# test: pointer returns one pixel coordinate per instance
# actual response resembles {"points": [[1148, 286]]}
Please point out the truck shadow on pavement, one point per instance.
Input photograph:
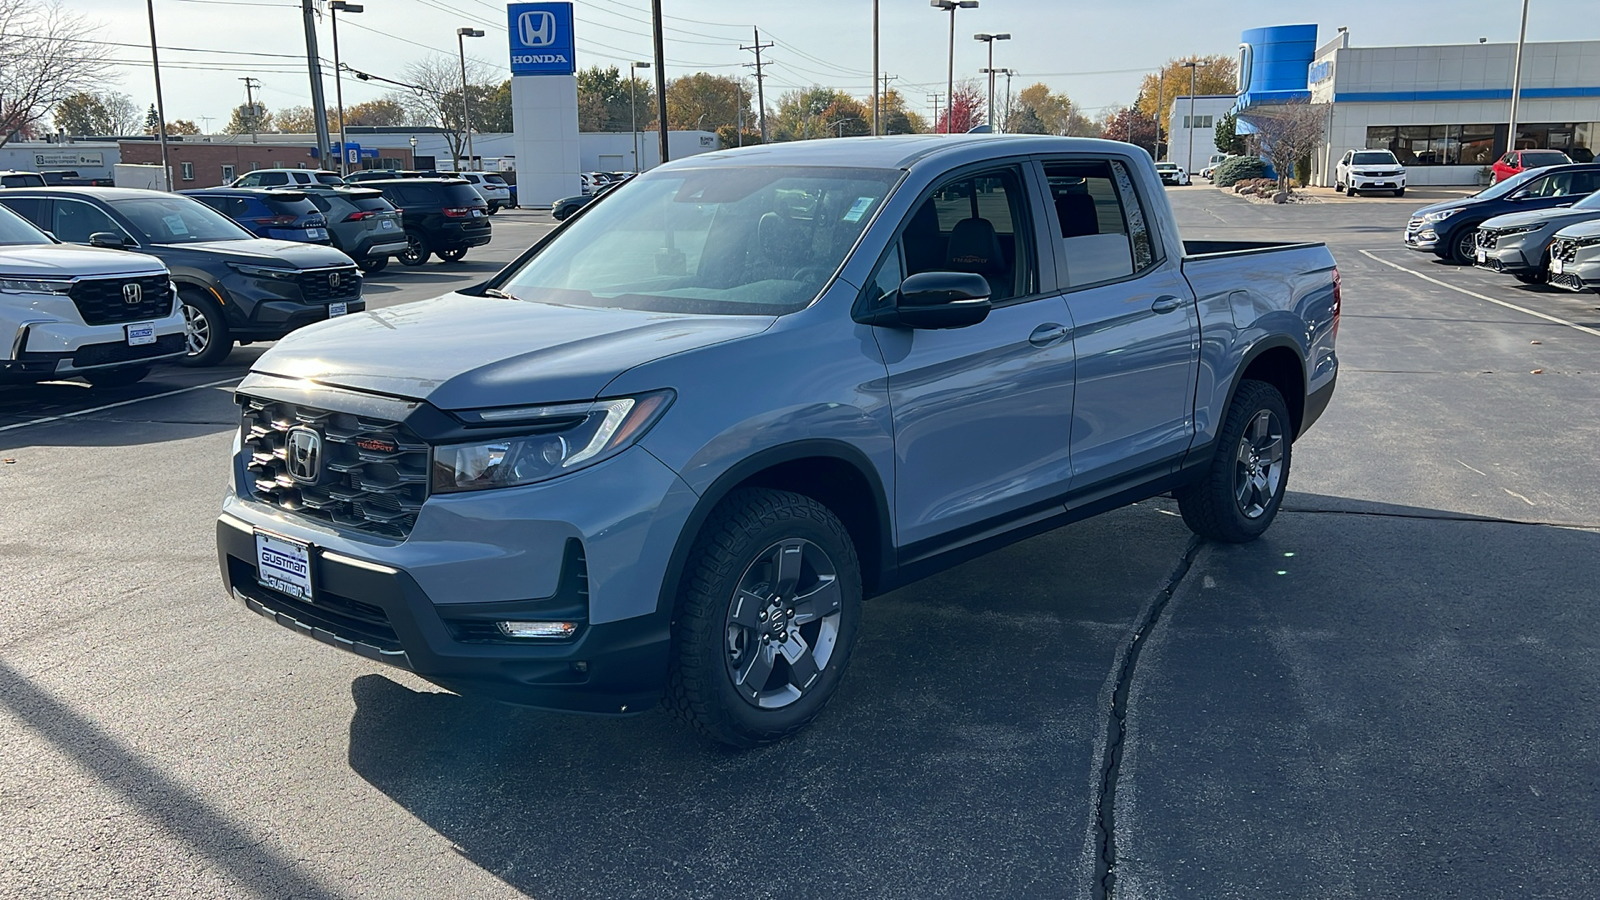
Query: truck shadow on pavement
{"points": [[955, 760]]}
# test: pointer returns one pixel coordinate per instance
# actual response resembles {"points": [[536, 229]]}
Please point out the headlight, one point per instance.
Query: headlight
{"points": [[34, 286], [1517, 229], [560, 439], [1440, 216], [1587, 241], [264, 271]]}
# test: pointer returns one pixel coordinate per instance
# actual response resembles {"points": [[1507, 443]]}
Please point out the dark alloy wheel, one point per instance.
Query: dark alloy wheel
{"points": [[372, 265], [1244, 486], [416, 252], [205, 329], [767, 617], [1465, 245], [454, 254]]}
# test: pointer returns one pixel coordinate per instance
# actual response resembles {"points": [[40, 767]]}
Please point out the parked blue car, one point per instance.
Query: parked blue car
{"points": [[1449, 229], [282, 215]]}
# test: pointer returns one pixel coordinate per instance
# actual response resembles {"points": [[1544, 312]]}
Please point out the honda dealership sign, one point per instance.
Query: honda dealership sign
{"points": [[541, 39]]}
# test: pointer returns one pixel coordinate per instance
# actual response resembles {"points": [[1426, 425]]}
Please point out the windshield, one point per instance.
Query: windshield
{"points": [[1166, 165], [16, 231], [328, 178], [1374, 158], [494, 179], [726, 240], [170, 219], [1543, 158]]}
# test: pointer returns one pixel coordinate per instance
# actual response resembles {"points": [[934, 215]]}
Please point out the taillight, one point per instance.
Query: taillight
{"points": [[277, 220], [359, 216], [458, 212], [1338, 301]]}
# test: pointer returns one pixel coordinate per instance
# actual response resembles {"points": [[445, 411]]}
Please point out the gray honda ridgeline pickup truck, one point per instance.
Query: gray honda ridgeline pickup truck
{"points": [[670, 450]]}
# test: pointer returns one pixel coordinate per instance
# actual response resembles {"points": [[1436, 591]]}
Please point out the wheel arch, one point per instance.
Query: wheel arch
{"points": [[1279, 362], [834, 473]]}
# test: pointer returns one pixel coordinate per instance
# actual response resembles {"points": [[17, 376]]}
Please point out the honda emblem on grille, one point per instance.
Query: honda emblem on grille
{"points": [[302, 454], [132, 293], [333, 280]]}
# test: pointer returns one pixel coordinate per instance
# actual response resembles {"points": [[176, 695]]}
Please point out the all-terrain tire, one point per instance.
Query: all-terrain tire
{"points": [[1222, 506]]}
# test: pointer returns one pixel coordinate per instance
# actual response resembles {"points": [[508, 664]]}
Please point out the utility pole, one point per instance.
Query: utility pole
{"points": [[250, 103], [660, 61], [875, 106], [1194, 67], [1161, 101], [161, 110], [1516, 79], [883, 100], [761, 94], [1007, 125], [738, 96], [933, 101], [319, 106]]}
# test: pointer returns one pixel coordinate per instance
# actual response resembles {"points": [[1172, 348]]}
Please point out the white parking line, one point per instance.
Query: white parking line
{"points": [[1461, 290], [84, 412]]}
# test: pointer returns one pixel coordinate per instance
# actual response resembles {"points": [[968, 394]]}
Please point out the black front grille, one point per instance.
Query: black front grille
{"points": [[1566, 251], [1567, 280], [106, 354], [103, 301], [376, 472], [1488, 239], [330, 285], [338, 615]]}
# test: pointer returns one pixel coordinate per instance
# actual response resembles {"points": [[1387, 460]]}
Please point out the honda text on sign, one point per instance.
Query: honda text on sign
{"points": [[541, 38]]}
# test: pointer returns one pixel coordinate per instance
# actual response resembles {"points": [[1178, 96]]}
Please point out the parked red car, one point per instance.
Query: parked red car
{"points": [[1518, 161]]}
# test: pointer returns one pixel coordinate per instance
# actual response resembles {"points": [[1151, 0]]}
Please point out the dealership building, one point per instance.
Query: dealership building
{"points": [[1444, 110]]}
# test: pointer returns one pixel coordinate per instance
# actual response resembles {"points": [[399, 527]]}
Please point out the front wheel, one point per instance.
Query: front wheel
{"points": [[1399, 192], [1352, 192], [1338, 187], [417, 251], [767, 616], [1465, 245], [205, 329], [1243, 488], [372, 265], [121, 376], [454, 254]]}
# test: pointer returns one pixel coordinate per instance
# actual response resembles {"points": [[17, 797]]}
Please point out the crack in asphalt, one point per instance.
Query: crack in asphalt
{"points": [[1440, 517], [1116, 726]]}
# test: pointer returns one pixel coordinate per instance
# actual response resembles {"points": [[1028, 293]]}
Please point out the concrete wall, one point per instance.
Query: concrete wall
{"points": [[1202, 140], [31, 156], [544, 112]]}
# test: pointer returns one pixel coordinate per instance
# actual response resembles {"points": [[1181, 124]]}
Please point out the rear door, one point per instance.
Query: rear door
{"points": [[1135, 327], [982, 413]]}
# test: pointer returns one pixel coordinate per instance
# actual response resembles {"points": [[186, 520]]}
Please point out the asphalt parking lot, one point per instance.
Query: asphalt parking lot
{"points": [[1396, 692]]}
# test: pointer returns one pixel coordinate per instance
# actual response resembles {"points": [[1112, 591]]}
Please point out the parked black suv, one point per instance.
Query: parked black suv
{"points": [[442, 215], [233, 286]]}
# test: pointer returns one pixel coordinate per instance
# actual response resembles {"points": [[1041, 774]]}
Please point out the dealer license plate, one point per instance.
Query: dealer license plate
{"points": [[1483, 256], [317, 234], [386, 225], [140, 333], [337, 309], [1556, 266], [283, 565]]}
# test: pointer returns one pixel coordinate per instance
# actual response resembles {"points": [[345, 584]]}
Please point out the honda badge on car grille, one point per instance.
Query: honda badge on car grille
{"points": [[132, 293], [303, 454]]}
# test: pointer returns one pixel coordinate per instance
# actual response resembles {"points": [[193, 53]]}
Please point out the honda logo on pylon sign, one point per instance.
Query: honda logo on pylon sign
{"points": [[541, 38], [537, 28]]}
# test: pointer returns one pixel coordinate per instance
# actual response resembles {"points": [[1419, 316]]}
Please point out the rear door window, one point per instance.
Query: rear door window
{"points": [[1104, 231], [300, 207], [370, 204], [30, 208], [26, 179], [74, 221], [268, 179]]}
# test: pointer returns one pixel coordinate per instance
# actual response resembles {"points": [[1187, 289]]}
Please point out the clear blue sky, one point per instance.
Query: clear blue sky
{"points": [[1095, 52]]}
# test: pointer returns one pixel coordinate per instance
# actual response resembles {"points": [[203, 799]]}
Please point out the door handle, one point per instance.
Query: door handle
{"points": [[1047, 334], [1166, 304]]}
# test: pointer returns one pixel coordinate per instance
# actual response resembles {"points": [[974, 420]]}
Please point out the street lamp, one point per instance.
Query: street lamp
{"points": [[842, 123], [413, 151], [466, 111], [334, 8], [633, 109], [990, 39], [1006, 124], [1193, 66], [1516, 79], [950, 87]]}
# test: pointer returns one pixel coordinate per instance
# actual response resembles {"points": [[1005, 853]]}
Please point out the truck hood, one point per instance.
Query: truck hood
{"points": [[1540, 217], [267, 252], [1591, 228], [461, 352], [71, 260]]}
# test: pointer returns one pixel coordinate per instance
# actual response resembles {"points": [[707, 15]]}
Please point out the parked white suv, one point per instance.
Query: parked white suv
{"points": [[68, 310], [1369, 170], [491, 187], [288, 178]]}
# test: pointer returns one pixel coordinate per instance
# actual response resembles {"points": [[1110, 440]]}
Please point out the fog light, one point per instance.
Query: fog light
{"points": [[538, 629]]}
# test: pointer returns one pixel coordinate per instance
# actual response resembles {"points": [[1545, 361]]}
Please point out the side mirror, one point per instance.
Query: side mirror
{"points": [[943, 300], [109, 240]]}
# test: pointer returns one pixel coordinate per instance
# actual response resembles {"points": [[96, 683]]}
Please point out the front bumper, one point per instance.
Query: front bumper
{"points": [[1517, 254], [1361, 182], [44, 347], [1423, 235], [1581, 272], [591, 547]]}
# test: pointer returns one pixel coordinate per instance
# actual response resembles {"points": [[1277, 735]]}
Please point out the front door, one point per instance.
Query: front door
{"points": [[982, 413], [1135, 326]]}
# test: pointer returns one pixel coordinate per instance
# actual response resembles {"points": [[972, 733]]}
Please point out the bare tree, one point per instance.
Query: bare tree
{"points": [[1289, 133], [45, 57], [432, 95]]}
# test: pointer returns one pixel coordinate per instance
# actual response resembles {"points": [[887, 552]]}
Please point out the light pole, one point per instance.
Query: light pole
{"points": [[161, 110], [466, 111], [990, 39], [413, 151], [950, 86], [1161, 101], [1193, 66], [1516, 79], [334, 8], [842, 123], [633, 108]]}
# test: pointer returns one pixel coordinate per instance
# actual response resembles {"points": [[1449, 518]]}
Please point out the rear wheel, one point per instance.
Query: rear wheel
{"points": [[1242, 490], [1399, 192], [1465, 245], [494, 208], [372, 265], [417, 251], [121, 376], [454, 254], [205, 329], [1352, 192], [1338, 187], [766, 618]]}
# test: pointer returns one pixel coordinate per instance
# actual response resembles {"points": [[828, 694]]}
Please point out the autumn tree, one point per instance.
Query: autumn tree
{"points": [[967, 109], [247, 118], [896, 117], [604, 100], [1289, 133], [85, 113], [1037, 110], [1215, 74], [383, 112], [1130, 126], [706, 102], [47, 54], [183, 126], [301, 120], [818, 112]]}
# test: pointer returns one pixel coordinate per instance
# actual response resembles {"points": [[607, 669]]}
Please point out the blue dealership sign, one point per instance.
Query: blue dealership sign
{"points": [[542, 42]]}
